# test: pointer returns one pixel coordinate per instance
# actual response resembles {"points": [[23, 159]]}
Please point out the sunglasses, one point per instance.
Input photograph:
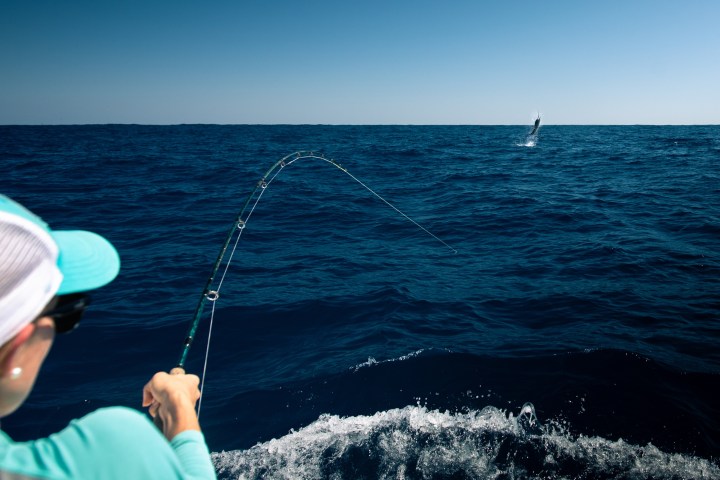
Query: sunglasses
{"points": [[67, 311]]}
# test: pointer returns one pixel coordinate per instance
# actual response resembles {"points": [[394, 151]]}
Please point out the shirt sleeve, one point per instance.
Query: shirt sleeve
{"points": [[111, 443], [193, 453]]}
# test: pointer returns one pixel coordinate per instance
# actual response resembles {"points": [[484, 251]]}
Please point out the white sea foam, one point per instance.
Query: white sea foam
{"points": [[414, 442], [371, 360]]}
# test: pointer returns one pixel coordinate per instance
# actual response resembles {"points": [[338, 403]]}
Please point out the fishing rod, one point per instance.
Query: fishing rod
{"points": [[210, 294]]}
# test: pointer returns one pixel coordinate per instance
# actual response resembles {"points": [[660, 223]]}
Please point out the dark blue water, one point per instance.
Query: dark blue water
{"points": [[349, 343]]}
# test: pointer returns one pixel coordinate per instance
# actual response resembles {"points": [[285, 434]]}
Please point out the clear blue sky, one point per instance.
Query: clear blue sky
{"points": [[359, 61]]}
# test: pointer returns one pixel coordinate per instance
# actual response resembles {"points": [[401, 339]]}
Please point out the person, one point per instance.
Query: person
{"points": [[44, 277]]}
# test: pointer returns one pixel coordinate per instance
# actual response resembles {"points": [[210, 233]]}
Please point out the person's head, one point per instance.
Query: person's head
{"points": [[43, 274]]}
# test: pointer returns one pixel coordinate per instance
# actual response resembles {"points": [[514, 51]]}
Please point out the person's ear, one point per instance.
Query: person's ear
{"points": [[11, 348]]}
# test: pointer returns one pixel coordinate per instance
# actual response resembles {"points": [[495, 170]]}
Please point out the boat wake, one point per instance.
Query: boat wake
{"points": [[414, 442]]}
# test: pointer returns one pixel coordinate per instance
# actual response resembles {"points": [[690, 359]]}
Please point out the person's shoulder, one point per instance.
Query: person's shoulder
{"points": [[118, 424], [120, 439], [127, 439], [117, 414], [109, 443]]}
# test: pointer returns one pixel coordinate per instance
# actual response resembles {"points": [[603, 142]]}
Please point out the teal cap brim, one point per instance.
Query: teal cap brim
{"points": [[87, 261]]}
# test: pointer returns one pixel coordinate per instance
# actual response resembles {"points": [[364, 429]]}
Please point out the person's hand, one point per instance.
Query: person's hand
{"points": [[171, 398]]}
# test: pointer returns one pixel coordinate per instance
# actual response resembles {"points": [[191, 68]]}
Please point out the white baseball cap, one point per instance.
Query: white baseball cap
{"points": [[37, 263]]}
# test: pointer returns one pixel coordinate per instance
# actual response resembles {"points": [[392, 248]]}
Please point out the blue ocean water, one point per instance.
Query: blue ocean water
{"points": [[570, 332]]}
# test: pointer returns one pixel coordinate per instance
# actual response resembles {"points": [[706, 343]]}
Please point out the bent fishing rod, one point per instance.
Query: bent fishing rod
{"points": [[211, 295]]}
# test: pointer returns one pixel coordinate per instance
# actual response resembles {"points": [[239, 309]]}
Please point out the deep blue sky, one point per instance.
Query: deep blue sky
{"points": [[359, 61]]}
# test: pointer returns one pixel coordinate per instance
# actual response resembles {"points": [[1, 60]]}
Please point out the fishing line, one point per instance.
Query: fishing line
{"points": [[236, 231]]}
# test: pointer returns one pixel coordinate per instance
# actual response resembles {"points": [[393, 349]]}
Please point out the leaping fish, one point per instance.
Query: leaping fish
{"points": [[536, 126]]}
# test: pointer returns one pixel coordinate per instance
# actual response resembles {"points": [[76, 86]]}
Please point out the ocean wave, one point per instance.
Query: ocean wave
{"points": [[414, 442]]}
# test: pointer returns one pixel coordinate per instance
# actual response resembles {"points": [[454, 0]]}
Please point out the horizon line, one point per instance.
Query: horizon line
{"points": [[360, 124]]}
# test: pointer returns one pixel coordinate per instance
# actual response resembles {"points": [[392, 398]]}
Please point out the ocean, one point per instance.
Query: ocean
{"points": [[454, 302]]}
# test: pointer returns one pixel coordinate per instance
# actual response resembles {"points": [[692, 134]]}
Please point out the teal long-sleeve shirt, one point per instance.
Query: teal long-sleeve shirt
{"points": [[111, 443]]}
